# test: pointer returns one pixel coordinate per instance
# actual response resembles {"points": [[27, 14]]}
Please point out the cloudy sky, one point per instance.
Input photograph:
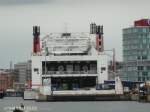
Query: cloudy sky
{"points": [[18, 16]]}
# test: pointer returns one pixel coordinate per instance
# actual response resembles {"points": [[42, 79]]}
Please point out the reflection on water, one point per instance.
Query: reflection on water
{"points": [[98, 106]]}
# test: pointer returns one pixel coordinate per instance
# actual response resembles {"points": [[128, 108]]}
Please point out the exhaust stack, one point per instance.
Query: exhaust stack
{"points": [[98, 31], [36, 39]]}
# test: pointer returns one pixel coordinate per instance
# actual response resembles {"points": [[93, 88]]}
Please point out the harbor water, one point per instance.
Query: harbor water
{"points": [[90, 106]]}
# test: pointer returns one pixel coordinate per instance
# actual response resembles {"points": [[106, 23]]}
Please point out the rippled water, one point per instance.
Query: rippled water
{"points": [[97, 106]]}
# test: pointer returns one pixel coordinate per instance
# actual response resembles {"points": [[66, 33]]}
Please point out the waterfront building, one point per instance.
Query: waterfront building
{"points": [[136, 51], [6, 80], [22, 72]]}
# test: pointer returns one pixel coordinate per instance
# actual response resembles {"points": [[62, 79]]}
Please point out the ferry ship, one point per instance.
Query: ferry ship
{"points": [[70, 64]]}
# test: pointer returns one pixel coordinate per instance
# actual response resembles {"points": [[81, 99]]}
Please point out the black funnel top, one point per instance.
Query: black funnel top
{"points": [[36, 31]]}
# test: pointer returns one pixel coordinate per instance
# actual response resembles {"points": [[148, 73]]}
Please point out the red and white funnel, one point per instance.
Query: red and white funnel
{"points": [[36, 39]]}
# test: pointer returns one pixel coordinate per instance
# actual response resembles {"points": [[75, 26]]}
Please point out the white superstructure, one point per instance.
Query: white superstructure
{"points": [[66, 43], [69, 61]]}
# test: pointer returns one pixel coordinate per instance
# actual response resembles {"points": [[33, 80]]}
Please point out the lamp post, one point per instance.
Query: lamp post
{"points": [[114, 61]]}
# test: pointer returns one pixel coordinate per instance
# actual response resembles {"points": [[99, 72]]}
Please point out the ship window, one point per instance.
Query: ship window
{"points": [[103, 68], [36, 70]]}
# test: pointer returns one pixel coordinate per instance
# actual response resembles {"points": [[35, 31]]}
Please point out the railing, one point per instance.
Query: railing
{"points": [[69, 72]]}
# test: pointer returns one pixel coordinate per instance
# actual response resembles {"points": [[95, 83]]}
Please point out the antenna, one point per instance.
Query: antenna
{"points": [[65, 27], [10, 66]]}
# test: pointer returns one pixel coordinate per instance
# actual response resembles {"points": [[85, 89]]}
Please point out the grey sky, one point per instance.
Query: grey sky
{"points": [[22, 2], [18, 16]]}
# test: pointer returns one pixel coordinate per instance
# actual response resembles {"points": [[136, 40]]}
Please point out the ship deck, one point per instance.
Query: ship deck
{"points": [[82, 92]]}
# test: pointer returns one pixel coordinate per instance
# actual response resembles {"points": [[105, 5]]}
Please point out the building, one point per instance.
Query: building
{"points": [[6, 81], [136, 51], [22, 72], [69, 61]]}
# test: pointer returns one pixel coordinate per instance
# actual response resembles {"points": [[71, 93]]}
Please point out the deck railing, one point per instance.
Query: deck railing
{"points": [[69, 72]]}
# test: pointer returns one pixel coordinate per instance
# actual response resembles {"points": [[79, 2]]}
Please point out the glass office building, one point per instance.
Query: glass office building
{"points": [[136, 51]]}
